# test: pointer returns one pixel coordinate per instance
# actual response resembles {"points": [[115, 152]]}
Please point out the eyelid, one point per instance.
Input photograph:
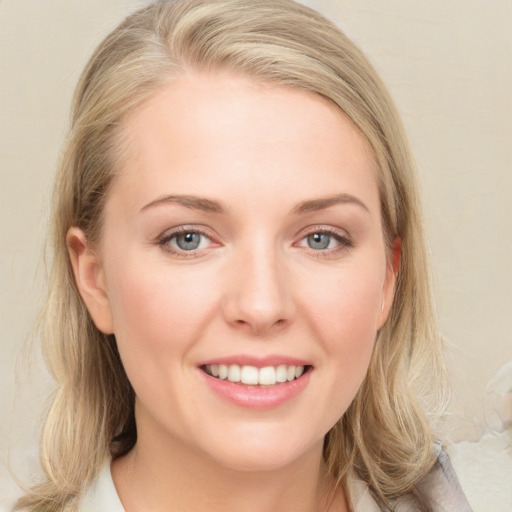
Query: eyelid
{"points": [[163, 239], [326, 229], [342, 236]]}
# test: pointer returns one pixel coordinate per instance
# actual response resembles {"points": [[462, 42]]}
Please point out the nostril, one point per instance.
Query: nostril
{"points": [[259, 326]]}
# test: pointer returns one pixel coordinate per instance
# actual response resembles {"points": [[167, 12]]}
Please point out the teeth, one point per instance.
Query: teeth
{"points": [[223, 371], [251, 375], [234, 373], [281, 373], [267, 376]]}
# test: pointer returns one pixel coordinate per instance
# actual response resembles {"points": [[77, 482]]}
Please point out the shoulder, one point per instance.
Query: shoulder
{"points": [[102, 494], [441, 488]]}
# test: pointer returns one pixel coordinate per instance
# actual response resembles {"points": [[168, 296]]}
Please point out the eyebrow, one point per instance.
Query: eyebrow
{"points": [[325, 202], [192, 202], [212, 206]]}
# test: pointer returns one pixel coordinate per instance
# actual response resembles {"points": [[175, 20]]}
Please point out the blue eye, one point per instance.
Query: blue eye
{"points": [[184, 241], [187, 241], [328, 242], [319, 241]]}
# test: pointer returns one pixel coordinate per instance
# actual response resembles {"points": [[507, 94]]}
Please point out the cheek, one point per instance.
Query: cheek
{"points": [[159, 316], [162, 312], [344, 313], [346, 308]]}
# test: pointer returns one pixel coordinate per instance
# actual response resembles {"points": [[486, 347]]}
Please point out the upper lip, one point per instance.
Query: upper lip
{"points": [[257, 361]]}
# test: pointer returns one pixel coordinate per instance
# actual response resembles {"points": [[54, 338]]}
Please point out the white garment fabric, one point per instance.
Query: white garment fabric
{"points": [[441, 486]]}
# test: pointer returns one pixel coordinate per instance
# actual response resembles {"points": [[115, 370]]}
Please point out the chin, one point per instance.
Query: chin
{"points": [[254, 462]]}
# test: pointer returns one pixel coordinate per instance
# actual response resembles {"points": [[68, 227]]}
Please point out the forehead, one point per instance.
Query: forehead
{"points": [[216, 133]]}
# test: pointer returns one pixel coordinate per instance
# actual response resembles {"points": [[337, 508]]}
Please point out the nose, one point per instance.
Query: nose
{"points": [[258, 298]]}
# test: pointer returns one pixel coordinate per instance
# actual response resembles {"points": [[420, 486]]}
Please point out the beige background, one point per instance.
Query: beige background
{"points": [[448, 65]]}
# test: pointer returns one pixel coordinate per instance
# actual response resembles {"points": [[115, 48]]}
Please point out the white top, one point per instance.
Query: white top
{"points": [[441, 486]]}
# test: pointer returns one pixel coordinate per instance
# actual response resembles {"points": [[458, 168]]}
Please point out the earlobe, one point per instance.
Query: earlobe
{"points": [[90, 279]]}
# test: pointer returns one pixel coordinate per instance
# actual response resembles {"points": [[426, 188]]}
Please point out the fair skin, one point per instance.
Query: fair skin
{"points": [[243, 230]]}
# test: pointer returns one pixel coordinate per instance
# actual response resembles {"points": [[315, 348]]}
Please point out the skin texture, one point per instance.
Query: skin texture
{"points": [[254, 287]]}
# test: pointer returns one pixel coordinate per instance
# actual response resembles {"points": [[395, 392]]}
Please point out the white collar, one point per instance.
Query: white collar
{"points": [[359, 496]]}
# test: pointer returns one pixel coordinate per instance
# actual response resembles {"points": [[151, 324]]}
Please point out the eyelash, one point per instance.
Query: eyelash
{"points": [[164, 240], [338, 235]]}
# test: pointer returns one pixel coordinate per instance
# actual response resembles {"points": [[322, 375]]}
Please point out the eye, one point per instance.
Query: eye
{"points": [[319, 241], [184, 241], [326, 241], [187, 241]]}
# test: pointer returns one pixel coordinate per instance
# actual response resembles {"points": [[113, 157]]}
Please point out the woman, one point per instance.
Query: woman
{"points": [[239, 312]]}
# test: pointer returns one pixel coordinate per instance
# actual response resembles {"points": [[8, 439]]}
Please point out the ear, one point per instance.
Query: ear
{"points": [[388, 291], [90, 279]]}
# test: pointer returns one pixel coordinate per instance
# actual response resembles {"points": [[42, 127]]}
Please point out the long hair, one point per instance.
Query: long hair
{"points": [[385, 435]]}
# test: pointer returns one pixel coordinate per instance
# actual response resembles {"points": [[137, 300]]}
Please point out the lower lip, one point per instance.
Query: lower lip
{"points": [[257, 397]]}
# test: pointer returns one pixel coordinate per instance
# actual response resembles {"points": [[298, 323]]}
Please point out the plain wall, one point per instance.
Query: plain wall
{"points": [[448, 66]]}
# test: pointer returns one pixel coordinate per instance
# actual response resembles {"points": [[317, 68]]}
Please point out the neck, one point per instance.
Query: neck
{"points": [[160, 476]]}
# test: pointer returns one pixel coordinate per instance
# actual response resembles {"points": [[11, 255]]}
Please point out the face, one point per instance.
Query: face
{"points": [[242, 268]]}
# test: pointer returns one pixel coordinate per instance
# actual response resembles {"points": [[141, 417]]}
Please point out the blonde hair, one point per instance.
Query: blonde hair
{"points": [[385, 434]]}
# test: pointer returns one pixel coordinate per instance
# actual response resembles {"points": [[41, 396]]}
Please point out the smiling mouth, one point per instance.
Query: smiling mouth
{"points": [[254, 376]]}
